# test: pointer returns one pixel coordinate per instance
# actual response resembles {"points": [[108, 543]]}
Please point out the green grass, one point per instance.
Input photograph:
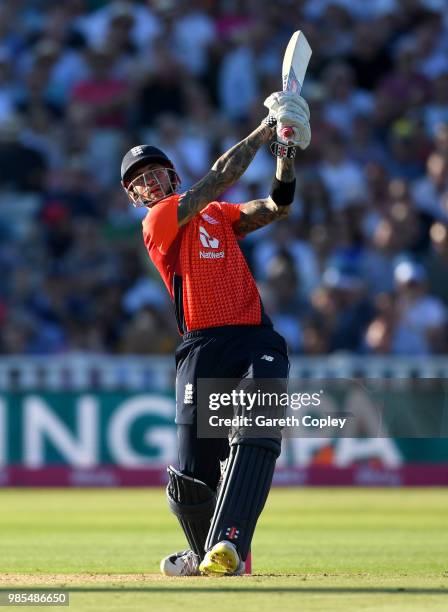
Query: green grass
{"points": [[315, 549]]}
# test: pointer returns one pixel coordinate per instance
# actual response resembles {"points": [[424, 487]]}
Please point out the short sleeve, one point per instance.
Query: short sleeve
{"points": [[232, 212], [160, 224]]}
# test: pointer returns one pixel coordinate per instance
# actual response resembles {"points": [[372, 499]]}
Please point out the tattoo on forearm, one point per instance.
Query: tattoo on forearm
{"points": [[259, 213], [224, 173], [234, 162]]}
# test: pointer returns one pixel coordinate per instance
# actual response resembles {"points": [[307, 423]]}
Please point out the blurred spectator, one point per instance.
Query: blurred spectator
{"points": [[238, 83], [342, 177], [336, 24], [280, 294], [406, 151], [193, 33], [95, 25], [283, 240], [160, 89], [146, 333], [22, 168], [7, 88], [316, 340], [101, 97], [75, 190], [430, 43], [41, 115], [11, 35], [342, 307], [378, 338], [344, 100], [363, 146], [369, 57], [405, 87], [436, 261], [189, 151], [416, 322], [436, 111], [441, 139], [421, 317], [431, 191], [315, 203]]}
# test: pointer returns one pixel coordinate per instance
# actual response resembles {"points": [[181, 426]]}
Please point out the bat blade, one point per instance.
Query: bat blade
{"points": [[294, 67], [295, 62]]}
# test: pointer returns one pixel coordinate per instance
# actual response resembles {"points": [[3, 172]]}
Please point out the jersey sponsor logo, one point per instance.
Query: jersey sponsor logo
{"points": [[207, 241], [136, 151], [211, 255], [209, 219], [267, 358]]}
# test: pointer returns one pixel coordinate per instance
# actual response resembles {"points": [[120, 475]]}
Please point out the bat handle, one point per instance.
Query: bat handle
{"points": [[287, 132]]}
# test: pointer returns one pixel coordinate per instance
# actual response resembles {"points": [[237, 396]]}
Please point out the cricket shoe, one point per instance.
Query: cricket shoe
{"points": [[183, 563], [222, 560]]}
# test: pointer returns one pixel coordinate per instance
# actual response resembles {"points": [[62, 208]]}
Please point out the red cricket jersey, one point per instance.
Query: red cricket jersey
{"points": [[202, 265]]}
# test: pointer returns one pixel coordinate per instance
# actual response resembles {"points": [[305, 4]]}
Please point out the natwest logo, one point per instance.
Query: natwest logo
{"points": [[209, 242], [206, 240], [211, 255]]}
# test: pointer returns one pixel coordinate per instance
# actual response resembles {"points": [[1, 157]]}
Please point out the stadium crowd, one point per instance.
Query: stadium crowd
{"points": [[361, 266]]}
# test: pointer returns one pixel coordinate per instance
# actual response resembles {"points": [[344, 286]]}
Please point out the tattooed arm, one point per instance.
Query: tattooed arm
{"points": [[224, 173], [258, 213]]}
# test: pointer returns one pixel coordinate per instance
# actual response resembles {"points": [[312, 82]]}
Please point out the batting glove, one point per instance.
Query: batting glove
{"points": [[292, 111]]}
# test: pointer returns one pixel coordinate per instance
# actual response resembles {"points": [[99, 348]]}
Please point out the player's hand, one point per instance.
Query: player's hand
{"points": [[291, 110]]}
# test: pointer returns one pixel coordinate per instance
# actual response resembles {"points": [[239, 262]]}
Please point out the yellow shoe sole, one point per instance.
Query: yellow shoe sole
{"points": [[219, 561]]}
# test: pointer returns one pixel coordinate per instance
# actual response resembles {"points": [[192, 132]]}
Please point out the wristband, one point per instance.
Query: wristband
{"points": [[282, 193]]}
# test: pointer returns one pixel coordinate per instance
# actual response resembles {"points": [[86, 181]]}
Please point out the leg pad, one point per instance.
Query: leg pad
{"points": [[193, 502], [245, 488]]}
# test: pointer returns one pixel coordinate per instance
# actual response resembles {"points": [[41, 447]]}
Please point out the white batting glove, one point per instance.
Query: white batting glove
{"points": [[292, 111]]}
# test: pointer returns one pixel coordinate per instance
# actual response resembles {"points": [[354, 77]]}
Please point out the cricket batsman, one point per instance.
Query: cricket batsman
{"points": [[192, 239]]}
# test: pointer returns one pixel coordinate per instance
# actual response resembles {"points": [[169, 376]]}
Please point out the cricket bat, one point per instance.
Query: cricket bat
{"points": [[295, 64]]}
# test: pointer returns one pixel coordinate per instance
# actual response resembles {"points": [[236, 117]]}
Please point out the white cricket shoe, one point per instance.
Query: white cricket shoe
{"points": [[222, 560], [183, 563]]}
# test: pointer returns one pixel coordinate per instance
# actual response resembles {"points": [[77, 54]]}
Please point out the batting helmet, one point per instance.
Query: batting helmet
{"points": [[152, 185], [140, 156]]}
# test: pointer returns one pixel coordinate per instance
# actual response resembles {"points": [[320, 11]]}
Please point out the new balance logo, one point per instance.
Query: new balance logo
{"points": [[188, 393], [206, 240], [267, 358]]}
